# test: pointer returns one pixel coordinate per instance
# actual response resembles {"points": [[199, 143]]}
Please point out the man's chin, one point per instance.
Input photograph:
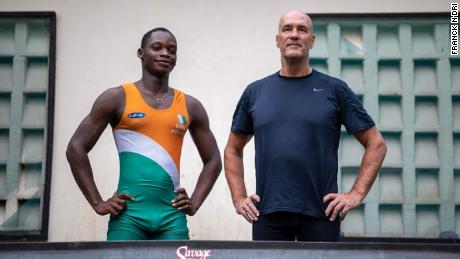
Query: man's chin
{"points": [[160, 73], [294, 56]]}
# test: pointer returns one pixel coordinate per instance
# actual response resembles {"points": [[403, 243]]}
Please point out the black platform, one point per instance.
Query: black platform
{"points": [[228, 249]]}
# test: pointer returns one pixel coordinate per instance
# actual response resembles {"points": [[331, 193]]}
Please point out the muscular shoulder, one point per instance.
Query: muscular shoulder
{"points": [[115, 94], [191, 101], [110, 103], [194, 108], [197, 113]]}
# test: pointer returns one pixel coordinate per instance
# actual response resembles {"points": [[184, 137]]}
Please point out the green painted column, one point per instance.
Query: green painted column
{"points": [[371, 210], [408, 140]]}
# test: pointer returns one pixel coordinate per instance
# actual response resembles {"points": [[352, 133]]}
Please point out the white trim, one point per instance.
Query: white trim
{"points": [[131, 141]]}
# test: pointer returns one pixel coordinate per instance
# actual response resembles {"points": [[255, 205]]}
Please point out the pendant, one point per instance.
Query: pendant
{"points": [[160, 100]]}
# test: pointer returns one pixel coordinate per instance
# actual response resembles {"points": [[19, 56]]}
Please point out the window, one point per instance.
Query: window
{"points": [[27, 65]]}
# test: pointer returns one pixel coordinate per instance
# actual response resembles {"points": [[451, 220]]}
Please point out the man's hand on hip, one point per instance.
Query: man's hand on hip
{"points": [[340, 204], [245, 207], [183, 202], [114, 205]]}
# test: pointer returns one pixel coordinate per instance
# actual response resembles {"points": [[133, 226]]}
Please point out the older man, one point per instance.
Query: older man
{"points": [[295, 117]]}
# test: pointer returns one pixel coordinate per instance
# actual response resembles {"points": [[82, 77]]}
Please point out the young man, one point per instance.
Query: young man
{"points": [[149, 119], [295, 116]]}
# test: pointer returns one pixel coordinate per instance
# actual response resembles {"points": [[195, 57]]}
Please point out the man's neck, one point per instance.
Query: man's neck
{"points": [[295, 68], [154, 84]]}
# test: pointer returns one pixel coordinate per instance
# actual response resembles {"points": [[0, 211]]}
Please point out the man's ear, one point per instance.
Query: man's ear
{"points": [[140, 53], [277, 41], [313, 41]]}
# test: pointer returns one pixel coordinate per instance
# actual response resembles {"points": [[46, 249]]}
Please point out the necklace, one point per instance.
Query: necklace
{"points": [[160, 99]]}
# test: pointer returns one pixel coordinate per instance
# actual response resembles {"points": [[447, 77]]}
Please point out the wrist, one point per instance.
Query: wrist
{"points": [[194, 204], [94, 204], [359, 195], [237, 200]]}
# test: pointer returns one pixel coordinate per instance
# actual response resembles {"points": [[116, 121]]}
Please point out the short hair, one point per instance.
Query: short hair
{"points": [[147, 35]]}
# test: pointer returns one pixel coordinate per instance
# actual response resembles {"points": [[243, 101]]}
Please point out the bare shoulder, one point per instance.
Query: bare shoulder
{"points": [[112, 94], [195, 109], [193, 104], [191, 101], [109, 103]]}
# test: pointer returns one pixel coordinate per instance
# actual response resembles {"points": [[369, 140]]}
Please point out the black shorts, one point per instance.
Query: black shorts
{"points": [[288, 226]]}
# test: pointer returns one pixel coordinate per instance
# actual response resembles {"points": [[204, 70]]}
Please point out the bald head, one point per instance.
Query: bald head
{"points": [[295, 37], [295, 14]]}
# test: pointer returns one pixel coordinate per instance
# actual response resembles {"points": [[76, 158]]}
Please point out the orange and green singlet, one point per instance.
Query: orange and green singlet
{"points": [[149, 143]]}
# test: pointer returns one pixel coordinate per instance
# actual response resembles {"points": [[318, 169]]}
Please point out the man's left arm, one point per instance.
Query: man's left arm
{"points": [[375, 149], [210, 156]]}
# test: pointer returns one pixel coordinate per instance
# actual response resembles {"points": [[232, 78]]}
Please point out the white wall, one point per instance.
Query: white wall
{"points": [[223, 46]]}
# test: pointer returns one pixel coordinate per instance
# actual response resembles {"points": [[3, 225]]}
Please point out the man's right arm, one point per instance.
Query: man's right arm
{"points": [[105, 109], [234, 172]]}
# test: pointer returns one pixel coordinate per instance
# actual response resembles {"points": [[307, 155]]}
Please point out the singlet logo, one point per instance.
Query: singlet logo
{"points": [[136, 115], [180, 128], [182, 119]]}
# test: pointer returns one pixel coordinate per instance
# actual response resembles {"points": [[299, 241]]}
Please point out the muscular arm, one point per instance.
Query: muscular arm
{"points": [[105, 110], [210, 156], [234, 172], [375, 150]]}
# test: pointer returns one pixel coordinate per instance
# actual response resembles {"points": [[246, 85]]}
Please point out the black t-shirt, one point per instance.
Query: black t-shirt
{"points": [[296, 126]]}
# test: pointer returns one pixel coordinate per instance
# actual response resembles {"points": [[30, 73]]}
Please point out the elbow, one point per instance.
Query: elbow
{"points": [[219, 166], [214, 163], [231, 152], [226, 154], [381, 146], [217, 163], [231, 156], [73, 149], [69, 153], [377, 148]]}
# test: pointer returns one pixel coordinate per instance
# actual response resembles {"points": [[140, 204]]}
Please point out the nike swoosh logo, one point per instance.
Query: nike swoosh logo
{"points": [[318, 90]]}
